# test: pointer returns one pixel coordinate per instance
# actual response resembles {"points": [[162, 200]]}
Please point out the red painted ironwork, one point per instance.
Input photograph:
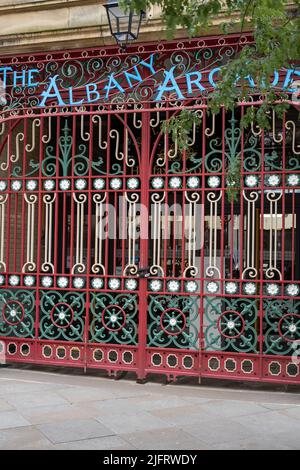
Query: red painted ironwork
{"points": [[119, 252]]}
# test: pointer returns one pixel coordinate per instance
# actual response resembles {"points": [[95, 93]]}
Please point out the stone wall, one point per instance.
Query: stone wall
{"points": [[39, 25]]}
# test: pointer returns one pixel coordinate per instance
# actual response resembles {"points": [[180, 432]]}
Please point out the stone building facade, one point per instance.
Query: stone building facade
{"points": [[181, 279], [40, 25]]}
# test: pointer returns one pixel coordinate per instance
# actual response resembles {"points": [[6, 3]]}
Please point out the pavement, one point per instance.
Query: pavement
{"points": [[63, 409]]}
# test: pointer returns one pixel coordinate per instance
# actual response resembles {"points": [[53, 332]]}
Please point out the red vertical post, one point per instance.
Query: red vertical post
{"points": [[202, 274], [39, 237], [144, 244], [88, 245], [261, 262]]}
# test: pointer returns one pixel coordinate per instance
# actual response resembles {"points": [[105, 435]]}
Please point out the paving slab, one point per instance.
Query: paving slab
{"points": [[50, 414], [271, 423], [8, 386], [74, 430], [228, 409], [5, 406], [87, 394], [253, 444], [279, 406], [290, 439], [126, 422], [26, 438], [182, 415], [215, 431], [139, 403], [164, 439], [103, 443], [47, 409], [35, 399], [292, 412], [12, 419], [194, 393]]}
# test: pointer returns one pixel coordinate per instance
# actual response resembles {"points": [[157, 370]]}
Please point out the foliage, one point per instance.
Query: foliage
{"points": [[276, 31], [180, 126], [233, 179]]}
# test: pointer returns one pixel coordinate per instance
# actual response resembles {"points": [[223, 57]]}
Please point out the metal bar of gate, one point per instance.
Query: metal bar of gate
{"points": [[144, 245]]}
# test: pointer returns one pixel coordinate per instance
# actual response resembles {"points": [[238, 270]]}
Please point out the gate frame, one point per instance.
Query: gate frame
{"points": [[262, 362]]}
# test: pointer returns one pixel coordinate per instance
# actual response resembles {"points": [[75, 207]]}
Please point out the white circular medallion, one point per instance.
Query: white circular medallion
{"points": [[175, 182], [213, 181], [132, 183], [61, 315], [157, 183], [80, 184], [193, 182], [115, 183], [31, 185], [16, 185], [64, 185], [99, 183], [49, 185], [2, 185]]}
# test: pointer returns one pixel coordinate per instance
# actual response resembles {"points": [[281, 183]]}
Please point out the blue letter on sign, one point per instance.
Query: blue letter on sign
{"points": [[211, 76], [91, 89], [131, 76], [30, 78], [169, 76], [289, 80], [4, 70], [195, 81], [111, 85], [52, 94]]}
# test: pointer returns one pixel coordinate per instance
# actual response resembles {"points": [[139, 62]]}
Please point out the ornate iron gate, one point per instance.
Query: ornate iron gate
{"points": [[118, 251]]}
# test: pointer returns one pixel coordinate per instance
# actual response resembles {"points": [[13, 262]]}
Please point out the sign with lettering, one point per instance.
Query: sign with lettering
{"points": [[155, 77]]}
